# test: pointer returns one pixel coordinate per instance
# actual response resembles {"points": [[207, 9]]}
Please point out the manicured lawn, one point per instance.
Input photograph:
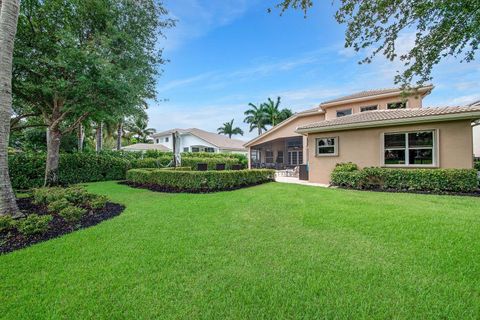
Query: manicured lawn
{"points": [[272, 251]]}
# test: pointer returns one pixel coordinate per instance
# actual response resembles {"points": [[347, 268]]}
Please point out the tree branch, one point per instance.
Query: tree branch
{"points": [[19, 128], [14, 121], [76, 123]]}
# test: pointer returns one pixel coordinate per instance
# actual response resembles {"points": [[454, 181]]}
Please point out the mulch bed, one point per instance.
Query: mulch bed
{"points": [[11, 240], [167, 189]]}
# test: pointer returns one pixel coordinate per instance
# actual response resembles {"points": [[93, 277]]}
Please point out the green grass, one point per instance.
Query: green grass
{"points": [[267, 252]]}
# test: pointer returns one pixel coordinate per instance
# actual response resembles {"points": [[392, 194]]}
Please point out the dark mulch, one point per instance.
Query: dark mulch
{"points": [[437, 193], [168, 189], [11, 240]]}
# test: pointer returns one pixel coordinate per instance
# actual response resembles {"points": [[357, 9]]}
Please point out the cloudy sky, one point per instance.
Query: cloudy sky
{"points": [[226, 53]]}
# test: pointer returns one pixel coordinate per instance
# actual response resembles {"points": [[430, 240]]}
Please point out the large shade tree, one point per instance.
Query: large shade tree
{"points": [[229, 129], [9, 11], [442, 28], [81, 59]]}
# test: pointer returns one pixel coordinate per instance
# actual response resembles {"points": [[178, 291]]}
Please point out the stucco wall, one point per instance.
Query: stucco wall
{"points": [[476, 141], [413, 102], [364, 148], [288, 130]]}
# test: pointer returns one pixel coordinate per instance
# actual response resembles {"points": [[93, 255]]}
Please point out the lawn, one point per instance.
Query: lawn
{"points": [[266, 252]]}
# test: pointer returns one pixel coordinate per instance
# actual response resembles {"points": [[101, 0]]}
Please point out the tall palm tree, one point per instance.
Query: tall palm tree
{"points": [[9, 11], [138, 126], [256, 117], [229, 130], [275, 115]]}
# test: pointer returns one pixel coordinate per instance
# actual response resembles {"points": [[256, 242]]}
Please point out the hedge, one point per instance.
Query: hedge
{"points": [[436, 180], [198, 181], [28, 170], [192, 162]]}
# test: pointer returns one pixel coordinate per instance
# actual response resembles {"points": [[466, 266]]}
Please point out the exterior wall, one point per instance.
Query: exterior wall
{"points": [[188, 140], [413, 102], [161, 140], [476, 141], [363, 147], [288, 130]]}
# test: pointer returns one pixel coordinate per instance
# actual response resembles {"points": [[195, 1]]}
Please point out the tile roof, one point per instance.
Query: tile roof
{"points": [[375, 117], [220, 141], [372, 93], [145, 146]]}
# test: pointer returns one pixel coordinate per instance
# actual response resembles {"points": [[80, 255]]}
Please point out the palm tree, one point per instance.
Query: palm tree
{"points": [[9, 11], [275, 115], [256, 117], [137, 126], [229, 130]]}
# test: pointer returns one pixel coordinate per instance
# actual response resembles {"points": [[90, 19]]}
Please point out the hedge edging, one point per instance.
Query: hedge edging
{"points": [[392, 179], [197, 181]]}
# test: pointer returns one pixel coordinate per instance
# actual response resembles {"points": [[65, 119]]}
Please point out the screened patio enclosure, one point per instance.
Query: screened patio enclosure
{"points": [[278, 154]]}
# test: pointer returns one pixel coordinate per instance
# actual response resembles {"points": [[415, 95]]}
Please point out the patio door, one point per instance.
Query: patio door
{"points": [[295, 158]]}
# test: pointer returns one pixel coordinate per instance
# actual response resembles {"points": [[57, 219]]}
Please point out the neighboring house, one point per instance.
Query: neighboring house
{"points": [[371, 128], [145, 147], [196, 140], [476, 134]]}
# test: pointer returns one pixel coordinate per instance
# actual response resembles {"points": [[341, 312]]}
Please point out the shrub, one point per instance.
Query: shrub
{"points": [[200, 181], [58, 205], [212, 162], [6, 222], [98, 202], [346, 167], [44, 196], [72, 214], [152, 162], [27, 170], [477, 165], [438, 180], [34, 224], [78, 195]]}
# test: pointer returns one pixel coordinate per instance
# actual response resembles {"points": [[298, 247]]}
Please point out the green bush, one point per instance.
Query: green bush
{"points": [[477, 165], [78, 195], [200, 181], [27, 170], [6, 222], [346, 167], [44, 196], [58, 205], [98, 202], [152, 162], [34, 224], [192, 162], [72, 214], [437, 180]]}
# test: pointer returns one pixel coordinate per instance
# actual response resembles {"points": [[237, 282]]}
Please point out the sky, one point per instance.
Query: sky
{"points": [[224, 54]]}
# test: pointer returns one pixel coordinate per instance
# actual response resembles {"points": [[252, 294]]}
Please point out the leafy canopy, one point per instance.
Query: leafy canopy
{"points": [[442, 28]]}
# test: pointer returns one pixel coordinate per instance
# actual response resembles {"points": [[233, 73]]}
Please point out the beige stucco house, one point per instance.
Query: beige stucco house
{"points": [[383, 128]]}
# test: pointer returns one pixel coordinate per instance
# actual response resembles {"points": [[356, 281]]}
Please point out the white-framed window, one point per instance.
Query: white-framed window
{"points": [[269, 156], [343, 113], [368, 108], [327, 146], [279, 157], [166, 139], [186, 149], [158, 140], [209, 149], [295, 157], [410, 149], [397, 105], [195, 149]]}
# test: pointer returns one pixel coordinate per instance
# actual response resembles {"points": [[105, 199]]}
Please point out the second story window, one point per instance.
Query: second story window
{"points": [[343, 113], [368, 108], [397, 105], [166, 139]]}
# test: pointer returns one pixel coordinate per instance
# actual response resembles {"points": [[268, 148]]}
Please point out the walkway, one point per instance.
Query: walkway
{"points": [[297, 181]]}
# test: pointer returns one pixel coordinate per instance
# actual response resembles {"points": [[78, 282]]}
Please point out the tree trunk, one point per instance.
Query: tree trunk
{"points": [[99, 134], [81, 137], [9, 10], [259, 130], [119, 135], [54, 136]]}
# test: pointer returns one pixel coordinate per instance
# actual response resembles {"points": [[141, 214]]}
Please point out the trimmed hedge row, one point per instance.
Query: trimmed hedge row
{"points": [[191, 162], [199, 181], [27, 170], [436, 180]]}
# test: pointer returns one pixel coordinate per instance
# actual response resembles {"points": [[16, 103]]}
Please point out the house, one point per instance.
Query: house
{"points": [[383, 128], [197, 140], [476, 134]]}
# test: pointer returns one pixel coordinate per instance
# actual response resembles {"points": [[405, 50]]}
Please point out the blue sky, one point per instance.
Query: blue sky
{"points": [[226, 53]]}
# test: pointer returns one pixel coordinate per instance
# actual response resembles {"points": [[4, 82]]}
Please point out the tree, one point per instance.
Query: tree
{"points": [[442, 29], [256, 117], [229, 130], [274, 114], [9, 11], [137, 126], [85, 59]]}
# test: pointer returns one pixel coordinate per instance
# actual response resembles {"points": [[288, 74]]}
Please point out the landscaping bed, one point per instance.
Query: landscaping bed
{"points": [[177, 181], [42, 222]]}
